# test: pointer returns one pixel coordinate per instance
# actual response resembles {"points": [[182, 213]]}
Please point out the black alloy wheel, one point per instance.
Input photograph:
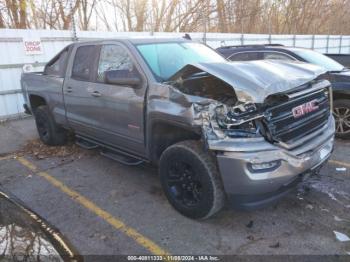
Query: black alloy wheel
{"points": [[191, 180], [49, 132], [43, 127], [184, 184]]}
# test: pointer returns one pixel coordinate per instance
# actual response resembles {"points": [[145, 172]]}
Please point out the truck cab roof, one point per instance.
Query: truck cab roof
{"points": [[143, 40]]}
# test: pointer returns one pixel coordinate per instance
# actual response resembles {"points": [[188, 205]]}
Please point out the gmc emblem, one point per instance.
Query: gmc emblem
{"points": [[304, 109]]}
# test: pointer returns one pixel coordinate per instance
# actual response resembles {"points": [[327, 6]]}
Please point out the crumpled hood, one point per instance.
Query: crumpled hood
{"points": [[255, 80]]}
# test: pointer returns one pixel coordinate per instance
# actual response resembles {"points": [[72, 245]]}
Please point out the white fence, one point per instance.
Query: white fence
{"points": [[13, 57]]}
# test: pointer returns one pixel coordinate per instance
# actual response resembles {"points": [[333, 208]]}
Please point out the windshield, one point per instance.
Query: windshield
{"points": [[165, 59], [319, 59]]}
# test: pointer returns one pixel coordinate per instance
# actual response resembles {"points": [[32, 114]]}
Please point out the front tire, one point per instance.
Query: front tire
{"points": [[191, 180], [341, 112], [49, 132]]}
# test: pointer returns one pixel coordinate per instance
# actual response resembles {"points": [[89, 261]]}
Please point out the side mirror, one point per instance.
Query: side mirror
{"points": [[122, 77]]}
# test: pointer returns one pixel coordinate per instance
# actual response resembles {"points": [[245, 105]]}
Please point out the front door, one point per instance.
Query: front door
{"points": [[120, 107]]}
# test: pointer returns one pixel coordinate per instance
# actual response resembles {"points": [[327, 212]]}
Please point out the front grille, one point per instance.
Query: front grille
{"points": [[282, 126]]}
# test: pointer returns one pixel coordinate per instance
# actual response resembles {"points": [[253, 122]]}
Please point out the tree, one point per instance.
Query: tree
{"points": [[17, 13], [85, 13], [239, 16]]}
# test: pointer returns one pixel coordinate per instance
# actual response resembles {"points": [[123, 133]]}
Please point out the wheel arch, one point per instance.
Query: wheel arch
{"points": [[36, 101], [164, 134]]}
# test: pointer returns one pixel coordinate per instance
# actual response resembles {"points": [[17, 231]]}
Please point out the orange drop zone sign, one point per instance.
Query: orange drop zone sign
{"points": [[32, 46]]}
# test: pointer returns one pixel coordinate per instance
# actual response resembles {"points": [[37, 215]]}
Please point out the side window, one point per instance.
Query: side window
{"points": [[114, 58], [245, 56], [84, 62], [276, 56], [58, 65]]}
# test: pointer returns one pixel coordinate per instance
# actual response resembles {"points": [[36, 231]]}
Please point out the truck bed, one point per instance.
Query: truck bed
{"points": [[37, 83]]}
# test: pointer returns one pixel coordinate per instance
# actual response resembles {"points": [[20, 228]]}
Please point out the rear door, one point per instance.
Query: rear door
{"points": [[77, 88]]}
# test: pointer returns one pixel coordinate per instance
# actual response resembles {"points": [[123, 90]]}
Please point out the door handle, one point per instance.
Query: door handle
{"points": [[69, 89], [96, 94]]}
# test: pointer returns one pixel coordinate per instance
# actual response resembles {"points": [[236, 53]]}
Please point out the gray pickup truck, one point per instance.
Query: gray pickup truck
{"points": [[246, 132]]}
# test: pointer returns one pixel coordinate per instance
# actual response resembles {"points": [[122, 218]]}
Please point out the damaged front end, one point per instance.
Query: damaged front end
{"points": [[234, 109], [264, 140]]}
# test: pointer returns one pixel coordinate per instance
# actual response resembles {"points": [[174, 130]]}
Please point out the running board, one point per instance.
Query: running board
{"points": [[85, 144], [124, 159], [112, 153]]}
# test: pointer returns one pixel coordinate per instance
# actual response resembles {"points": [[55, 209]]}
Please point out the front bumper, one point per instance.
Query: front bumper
{"points": [[251, 188]]}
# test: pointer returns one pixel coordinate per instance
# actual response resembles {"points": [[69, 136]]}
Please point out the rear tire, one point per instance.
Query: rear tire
{"points": [[49, 132], [191, 180], [341, 112]]}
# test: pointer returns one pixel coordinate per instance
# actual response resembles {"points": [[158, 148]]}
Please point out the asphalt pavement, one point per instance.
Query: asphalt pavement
{"points": [[106, 208]]}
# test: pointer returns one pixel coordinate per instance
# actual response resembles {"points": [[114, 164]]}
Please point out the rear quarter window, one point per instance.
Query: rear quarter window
{"points": [[84, 63], [57, 66]]}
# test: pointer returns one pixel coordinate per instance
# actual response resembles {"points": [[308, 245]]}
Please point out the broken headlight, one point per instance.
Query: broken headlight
{"points": [[238, 120]]}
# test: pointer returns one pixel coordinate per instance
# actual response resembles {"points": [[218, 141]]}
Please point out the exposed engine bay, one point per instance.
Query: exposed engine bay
{"points": [[231, 117], [205, 85]]}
